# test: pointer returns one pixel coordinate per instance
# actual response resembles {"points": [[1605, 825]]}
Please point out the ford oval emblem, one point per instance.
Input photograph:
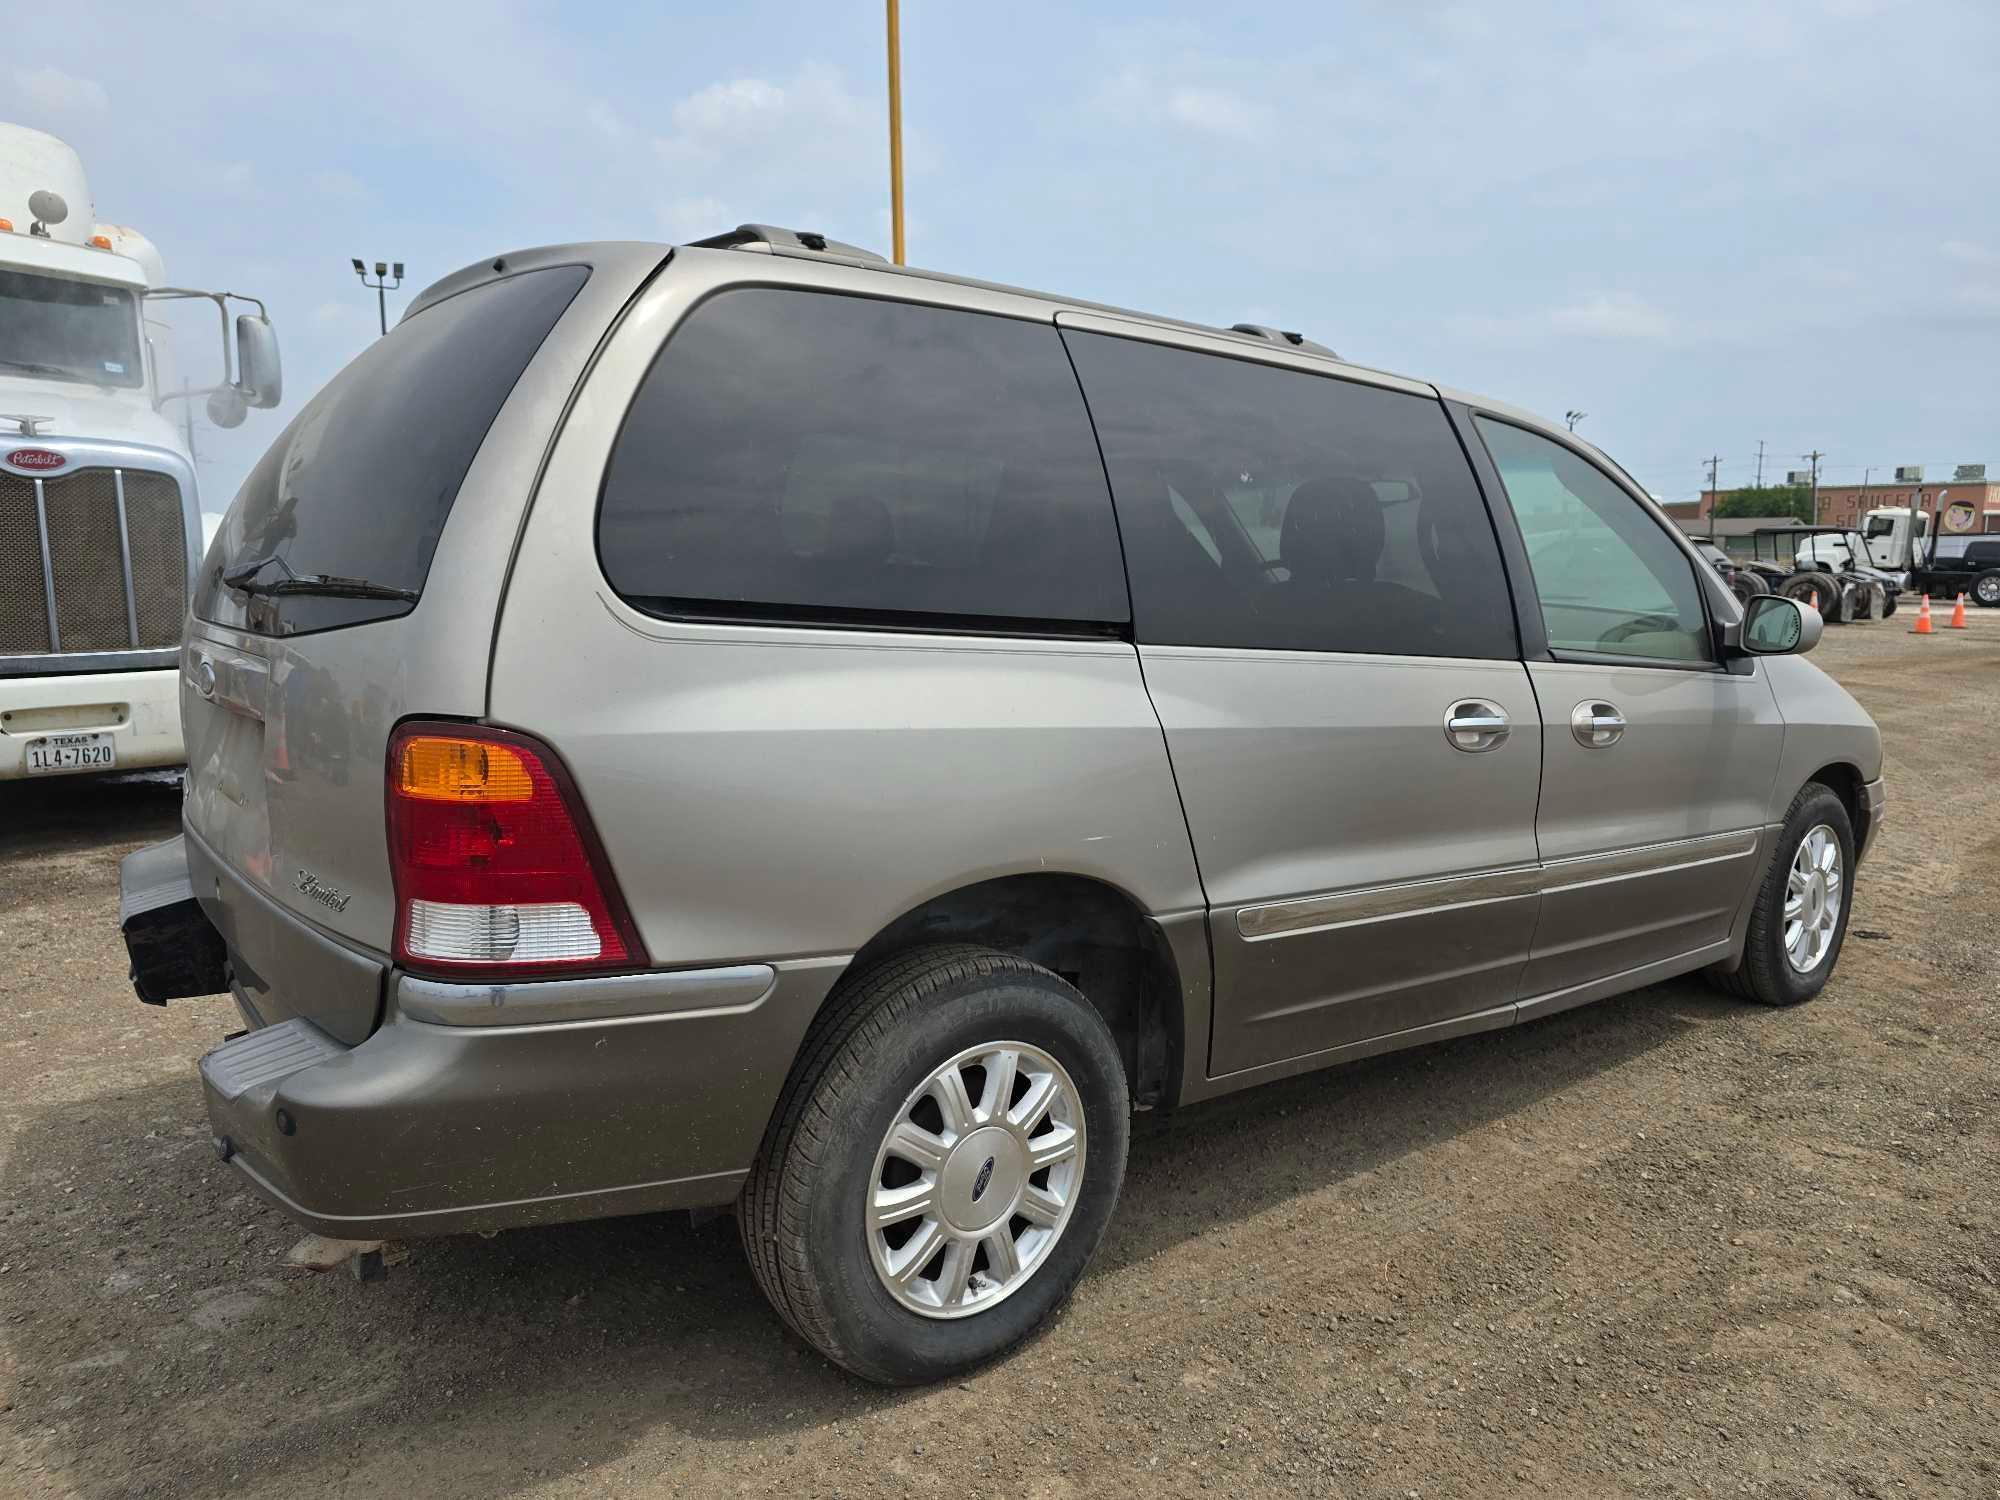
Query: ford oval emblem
{"points": [[37, 458], [980, 1183]]}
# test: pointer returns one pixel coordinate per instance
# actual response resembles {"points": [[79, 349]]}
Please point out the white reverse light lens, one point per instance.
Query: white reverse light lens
{"points": [[558, 932]]}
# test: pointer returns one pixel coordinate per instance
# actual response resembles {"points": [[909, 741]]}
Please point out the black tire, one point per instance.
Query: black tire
{"points": [[1766, 974], [1747, 585], [802, 1209], [1807, 586], [1889, 602], [1985, 589]]}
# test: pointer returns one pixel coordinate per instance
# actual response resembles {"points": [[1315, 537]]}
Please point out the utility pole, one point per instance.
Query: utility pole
{"points": [[895, 132], [381, 286], [1814, 457], [1714, 498], [1760, 463]]}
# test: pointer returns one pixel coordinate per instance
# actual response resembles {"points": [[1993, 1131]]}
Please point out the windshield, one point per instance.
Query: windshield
{"points": [[68, 330]]}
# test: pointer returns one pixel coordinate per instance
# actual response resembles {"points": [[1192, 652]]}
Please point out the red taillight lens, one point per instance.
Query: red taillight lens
{"points": [[496, 867]]}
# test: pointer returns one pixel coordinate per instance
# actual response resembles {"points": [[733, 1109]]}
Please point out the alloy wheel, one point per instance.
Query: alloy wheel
{"points": [[976, 1179], [1813, 890]]}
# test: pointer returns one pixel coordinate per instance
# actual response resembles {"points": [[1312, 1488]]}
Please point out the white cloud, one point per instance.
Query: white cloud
{"points": [[1967, 253], [1215, 111], [694, 218], [334, 185], [1613, 315], [50, 88], [1596, 315], [812, 108]]}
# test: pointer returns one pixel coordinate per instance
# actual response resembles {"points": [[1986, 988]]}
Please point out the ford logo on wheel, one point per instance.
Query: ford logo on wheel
{"points": [[37, 458]]}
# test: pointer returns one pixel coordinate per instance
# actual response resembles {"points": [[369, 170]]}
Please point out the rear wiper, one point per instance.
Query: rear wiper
{"points": [[245, 581]]}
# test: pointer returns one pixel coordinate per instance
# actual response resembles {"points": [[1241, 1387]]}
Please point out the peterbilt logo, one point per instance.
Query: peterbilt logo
{"points": [[332, 897], [37, 458]]}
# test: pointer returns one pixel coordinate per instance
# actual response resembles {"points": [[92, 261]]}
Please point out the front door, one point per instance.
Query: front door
{"points": [[1657, 764], [1326, 633]]}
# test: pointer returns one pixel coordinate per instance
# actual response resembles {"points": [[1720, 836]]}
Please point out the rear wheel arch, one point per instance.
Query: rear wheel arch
{"points": [[1089, 932]]}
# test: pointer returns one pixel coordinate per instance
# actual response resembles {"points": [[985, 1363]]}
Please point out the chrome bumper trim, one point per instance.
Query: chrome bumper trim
{"points": [[738, 987]]}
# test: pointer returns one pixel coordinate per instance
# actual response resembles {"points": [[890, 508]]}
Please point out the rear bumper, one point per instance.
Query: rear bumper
{"points": [[141, 711], [655, 1096]]}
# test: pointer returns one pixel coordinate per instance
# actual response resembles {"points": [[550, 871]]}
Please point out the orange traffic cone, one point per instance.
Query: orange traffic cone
{"points": [[1958, 614], [1923, 625]]}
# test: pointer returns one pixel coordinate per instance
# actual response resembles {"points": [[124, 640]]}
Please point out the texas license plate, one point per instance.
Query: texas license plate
{"points": [[54, 754]]}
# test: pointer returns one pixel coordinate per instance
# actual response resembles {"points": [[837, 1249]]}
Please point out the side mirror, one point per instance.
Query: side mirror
{"points": [[226, 407], [1774, 625], [259, 380]]}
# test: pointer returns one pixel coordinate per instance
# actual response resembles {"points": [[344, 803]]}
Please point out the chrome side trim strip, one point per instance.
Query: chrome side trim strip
{"points": [[48, 566], [1648, 859], [1375, 903], [737, 987], [125, 554]]}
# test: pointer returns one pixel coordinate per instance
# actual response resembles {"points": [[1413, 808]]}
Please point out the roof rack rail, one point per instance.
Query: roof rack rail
{"points": [[781, 241], [1281, 336]]}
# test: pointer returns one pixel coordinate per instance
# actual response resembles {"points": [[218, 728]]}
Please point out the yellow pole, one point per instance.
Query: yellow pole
{"points": [[895, 133]]}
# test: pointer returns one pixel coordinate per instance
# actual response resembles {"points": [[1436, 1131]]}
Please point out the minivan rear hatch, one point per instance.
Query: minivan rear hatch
{"points": [[355, 583]]}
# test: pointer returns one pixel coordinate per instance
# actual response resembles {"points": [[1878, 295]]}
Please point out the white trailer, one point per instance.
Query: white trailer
{"points": [[100, 522]]}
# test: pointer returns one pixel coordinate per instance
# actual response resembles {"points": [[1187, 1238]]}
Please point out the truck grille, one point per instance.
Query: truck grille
{"points": [[111, 582]]}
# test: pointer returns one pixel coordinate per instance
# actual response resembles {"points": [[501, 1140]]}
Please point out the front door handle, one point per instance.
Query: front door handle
{"points": [[1596, 725], [1473, 724]]}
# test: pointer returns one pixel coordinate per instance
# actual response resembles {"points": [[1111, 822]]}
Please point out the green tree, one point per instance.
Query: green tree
{"points": [[1794, 500]]}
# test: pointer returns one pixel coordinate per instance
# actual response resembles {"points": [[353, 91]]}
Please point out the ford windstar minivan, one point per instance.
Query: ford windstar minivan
{"points": [[742, 724]]}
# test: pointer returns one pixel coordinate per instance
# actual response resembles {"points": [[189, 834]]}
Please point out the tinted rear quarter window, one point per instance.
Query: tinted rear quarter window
{"points": [[796, 455], [362, 481], [1277, 508]]}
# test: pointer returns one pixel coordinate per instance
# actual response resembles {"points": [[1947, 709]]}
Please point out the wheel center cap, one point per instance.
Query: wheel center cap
{"points": [[982, 1178], [1816, 897]]}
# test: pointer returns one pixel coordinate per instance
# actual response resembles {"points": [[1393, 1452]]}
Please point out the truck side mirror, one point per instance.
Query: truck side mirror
{"points": [[226, 407], [1774, 625], [259, 379]]}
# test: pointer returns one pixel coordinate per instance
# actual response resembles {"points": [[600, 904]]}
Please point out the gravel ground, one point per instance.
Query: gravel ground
{"points": [[1666, 1245]]}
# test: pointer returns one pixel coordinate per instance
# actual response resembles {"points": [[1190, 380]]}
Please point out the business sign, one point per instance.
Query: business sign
{"points": [[1959, 516], [1798, 476]]}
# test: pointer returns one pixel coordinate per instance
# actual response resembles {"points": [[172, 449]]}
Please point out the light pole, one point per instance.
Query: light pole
{"points": [[1574, 417], [381, 286], [895, 131]]}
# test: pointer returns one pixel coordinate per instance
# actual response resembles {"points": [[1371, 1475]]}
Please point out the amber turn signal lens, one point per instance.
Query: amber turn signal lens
{"points": [[101, 241], [439, 769]]}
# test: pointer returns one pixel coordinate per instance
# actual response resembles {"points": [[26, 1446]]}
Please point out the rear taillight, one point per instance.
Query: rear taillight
{"points": [[497, 869]]}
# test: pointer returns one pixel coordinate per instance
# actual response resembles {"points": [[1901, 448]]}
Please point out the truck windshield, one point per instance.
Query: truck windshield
{"points": [[59, 329]]}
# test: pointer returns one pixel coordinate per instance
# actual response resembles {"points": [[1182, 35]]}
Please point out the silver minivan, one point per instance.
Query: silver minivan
{"points": [[742, 724]]}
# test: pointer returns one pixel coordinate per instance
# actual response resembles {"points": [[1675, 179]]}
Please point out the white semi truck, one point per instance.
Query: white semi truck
{"points": [[100, 524]]}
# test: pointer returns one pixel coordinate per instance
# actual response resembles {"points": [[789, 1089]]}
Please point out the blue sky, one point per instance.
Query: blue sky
{"points": [[1704, 222]]}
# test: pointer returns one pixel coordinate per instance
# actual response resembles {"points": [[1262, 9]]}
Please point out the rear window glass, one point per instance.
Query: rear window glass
{"points": [[360, 484], [828, 459]]}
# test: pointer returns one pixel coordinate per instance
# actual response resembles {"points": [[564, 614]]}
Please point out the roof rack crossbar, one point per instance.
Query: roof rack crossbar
{"points": [[1282, 337], [781, 241]]}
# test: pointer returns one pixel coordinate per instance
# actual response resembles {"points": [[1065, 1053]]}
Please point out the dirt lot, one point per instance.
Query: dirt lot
{"points": [[1665, 1245]]}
